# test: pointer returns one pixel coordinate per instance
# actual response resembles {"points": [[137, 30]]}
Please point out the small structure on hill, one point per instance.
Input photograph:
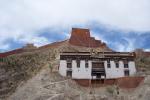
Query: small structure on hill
{"points": [[29, 47]]}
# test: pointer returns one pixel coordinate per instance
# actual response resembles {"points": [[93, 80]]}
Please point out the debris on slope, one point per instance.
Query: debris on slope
{"points": [[18, 68], [52, 86]]}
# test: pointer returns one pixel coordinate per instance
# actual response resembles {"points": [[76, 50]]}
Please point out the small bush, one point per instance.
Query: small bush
{"points": [[110, 90]]}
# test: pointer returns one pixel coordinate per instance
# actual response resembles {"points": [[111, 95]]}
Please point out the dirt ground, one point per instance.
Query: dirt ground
{"points": [[51, 86]]}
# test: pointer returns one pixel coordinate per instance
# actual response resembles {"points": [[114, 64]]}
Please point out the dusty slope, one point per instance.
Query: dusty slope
{"points": [[42, 87], [18, 68], [51, 86]]}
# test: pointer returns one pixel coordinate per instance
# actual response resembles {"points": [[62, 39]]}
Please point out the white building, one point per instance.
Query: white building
{"points": [[102, 65]]}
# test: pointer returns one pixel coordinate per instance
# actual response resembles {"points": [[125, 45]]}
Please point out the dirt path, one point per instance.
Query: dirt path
{"points": [[39, 87], [51, 86]]}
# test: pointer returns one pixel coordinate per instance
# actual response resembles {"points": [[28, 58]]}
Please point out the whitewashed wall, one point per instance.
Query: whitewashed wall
{"points": [[63, 67], [114, 72], [132, 68], [85, 73], [81, 72], [77, 73]]}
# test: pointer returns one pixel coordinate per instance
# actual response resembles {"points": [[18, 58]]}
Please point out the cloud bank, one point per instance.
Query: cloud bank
{"points": [[21, 20]]}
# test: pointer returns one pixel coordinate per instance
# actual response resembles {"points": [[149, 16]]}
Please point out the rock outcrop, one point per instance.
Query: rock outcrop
{"points": [[142, 53], [81, 37]]}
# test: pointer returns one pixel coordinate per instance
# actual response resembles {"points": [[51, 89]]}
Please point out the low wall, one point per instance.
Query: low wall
{"points": [[124, 82], [2, 55], [83, 82], [129, 82]]}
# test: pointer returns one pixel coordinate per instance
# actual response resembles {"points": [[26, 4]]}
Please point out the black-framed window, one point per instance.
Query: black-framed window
{"points": [[126, 73], [126, 65], [69, 73], [69, 63], [78, 63], [117, 64], [108, 64], [86, 64]]}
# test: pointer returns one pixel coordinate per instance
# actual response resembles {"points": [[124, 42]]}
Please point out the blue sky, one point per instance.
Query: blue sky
{"points": [[123, 24]]}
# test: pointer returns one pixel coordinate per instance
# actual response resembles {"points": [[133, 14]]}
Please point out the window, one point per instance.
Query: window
{"points": [[117, 64], [69, 63], [86, 64], [69, 73], [108, 63], [126, 64], [126, 73], [97, 64], [78, 63]]}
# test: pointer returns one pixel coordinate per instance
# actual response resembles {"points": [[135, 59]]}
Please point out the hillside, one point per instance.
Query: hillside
{"points": [[51, 86], [30, 73], [19, 67]]}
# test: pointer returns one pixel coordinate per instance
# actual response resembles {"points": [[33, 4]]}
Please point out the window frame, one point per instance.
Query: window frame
{"points": [[117, 64], [108, 64], [126, 74], [69, 73], [78, 63], [86, 64], [126, 63], [69, 65], [69, 61]]}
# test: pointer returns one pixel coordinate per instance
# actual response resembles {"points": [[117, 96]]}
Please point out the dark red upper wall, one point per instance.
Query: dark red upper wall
{"points": [[2, 55], [81, 37]]}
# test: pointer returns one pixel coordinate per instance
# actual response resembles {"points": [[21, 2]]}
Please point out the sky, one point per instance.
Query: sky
{"points": [[123, 24]]}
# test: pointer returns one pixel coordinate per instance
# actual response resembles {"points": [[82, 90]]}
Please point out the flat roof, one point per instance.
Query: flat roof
{"points": [[100, 53]]}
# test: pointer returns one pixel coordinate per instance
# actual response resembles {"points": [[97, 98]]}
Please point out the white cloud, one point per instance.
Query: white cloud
{"points": [[34, 14], [4, 46], [128, 47], [98, 36], [148, 50], [131, 44], [19, 18], [38, 41]]}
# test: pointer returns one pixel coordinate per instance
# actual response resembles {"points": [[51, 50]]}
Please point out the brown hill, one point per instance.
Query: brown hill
{"points": [[26, 48], [80, 40], [16, 51], [21, 66], [142, 53]]}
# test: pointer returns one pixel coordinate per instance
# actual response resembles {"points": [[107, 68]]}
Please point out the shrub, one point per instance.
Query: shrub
{"points": [[110, 90]]}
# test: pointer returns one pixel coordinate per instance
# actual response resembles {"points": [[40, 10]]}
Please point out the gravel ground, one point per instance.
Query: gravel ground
{"points": [[51, 86]]}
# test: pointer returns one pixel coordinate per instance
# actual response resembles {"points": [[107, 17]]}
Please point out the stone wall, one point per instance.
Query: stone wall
{"points": [[81, 37], [124, 82]]}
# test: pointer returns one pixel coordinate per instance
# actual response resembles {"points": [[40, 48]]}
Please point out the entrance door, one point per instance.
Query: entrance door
{"points": [[98, 69], [69, 73]]}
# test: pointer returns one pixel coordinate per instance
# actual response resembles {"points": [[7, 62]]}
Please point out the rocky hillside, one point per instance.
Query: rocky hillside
{"points": [[19, 67], [51, 86], [142, 61], [29, 73]]}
